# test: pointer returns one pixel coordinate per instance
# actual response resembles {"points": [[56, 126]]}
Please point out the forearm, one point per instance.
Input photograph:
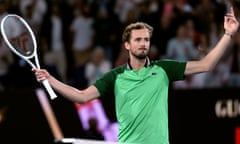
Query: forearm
{"points": [[211, 59], [214, 56], [231, 25], [67, 91]]}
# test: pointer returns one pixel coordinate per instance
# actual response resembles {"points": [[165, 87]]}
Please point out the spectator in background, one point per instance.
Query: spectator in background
{"points": [[6, 61], [82, 33], [81, 41], [123, 7], [191, 31], [33, 11], [218, 77], [104, 36], [107, 27], [181, 47], [53, 43], [165, 27], [6, 57], [98, 65], [188, 83], [234, 62], [203, 13]]}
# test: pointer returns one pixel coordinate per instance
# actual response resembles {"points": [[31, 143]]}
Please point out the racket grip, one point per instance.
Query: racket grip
{"points": [[49, 89]]}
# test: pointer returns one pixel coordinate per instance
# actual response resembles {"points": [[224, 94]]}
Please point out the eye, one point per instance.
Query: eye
{"points": [[138, 39], [147, 39]]}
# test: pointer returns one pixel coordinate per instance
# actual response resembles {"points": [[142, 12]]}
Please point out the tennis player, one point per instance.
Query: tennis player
{"points": [[141, 86]]}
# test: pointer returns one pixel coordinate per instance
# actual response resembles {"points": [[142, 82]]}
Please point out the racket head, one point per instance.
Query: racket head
{"points": [[18, 36]]}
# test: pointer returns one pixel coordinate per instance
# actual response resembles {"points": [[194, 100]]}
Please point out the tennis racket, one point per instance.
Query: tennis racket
{"points": [[20, 38]]}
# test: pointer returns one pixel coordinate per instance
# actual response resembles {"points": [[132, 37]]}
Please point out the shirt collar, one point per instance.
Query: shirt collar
{"points": [[129, 67]]}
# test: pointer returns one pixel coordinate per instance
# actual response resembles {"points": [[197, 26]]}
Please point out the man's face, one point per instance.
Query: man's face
{"points": [[139, 43]]}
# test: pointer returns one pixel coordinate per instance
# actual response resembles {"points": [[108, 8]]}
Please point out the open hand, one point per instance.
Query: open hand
{"points": [[231, 24]]}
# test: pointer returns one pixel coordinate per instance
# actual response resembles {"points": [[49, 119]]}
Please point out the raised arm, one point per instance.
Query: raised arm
{"points": [[69, 92], [212, 58]]}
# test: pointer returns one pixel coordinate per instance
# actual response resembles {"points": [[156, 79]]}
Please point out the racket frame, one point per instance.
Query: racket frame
{"points": [[27, 58]]}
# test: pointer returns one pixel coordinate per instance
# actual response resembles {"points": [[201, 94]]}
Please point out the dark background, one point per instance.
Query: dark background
{"points": [[192, 118]]}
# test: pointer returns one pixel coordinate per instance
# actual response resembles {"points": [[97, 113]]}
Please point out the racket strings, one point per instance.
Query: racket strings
{"points": [[22, 43]]}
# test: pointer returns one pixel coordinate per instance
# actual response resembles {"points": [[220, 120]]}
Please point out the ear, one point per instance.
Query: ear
{"points": [[126, 45]]}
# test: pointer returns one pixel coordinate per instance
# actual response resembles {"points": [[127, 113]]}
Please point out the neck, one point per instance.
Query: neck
{"points": [[136, 63]]}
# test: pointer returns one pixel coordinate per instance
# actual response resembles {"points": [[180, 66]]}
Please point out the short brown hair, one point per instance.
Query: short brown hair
{"points": [[135, 26]]}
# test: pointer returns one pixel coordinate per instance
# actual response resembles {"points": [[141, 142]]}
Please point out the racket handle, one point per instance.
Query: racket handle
{"points": [[49, 89]]}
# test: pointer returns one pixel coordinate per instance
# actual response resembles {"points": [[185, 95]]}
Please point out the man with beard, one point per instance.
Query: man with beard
{"points": [[141, 86]]}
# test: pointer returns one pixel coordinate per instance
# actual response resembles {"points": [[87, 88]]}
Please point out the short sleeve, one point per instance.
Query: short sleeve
{"points": [[106, 83], [174, 69]]}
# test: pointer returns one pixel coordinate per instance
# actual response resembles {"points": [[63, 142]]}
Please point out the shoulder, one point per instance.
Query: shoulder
{"points": [[174, 69], [105, 84], [165, 61], [168, 63]]}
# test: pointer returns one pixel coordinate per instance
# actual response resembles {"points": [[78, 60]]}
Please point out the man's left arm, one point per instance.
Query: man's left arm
{"points": [[207, 63]]}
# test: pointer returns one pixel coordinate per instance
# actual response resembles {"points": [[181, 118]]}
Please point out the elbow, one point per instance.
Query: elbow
{"points": [[83, 97], [78, 97], [82, 100], [210, 68]]}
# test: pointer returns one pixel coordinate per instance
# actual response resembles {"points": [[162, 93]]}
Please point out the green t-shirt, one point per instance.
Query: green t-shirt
{"points": [[141, 99]]}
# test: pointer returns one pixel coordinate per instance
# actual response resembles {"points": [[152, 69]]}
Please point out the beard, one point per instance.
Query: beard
{"points": [[141, 55]]}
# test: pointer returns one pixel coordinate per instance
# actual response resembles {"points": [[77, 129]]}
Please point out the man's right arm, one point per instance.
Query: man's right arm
{"points": [[67, 91]]}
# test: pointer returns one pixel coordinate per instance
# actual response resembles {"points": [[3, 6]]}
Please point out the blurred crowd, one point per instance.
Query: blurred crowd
{"points": [[79, 40]]}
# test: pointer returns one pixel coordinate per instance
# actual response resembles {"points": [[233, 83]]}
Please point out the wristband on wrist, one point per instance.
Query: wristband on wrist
{"points": [[228, 34]]}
